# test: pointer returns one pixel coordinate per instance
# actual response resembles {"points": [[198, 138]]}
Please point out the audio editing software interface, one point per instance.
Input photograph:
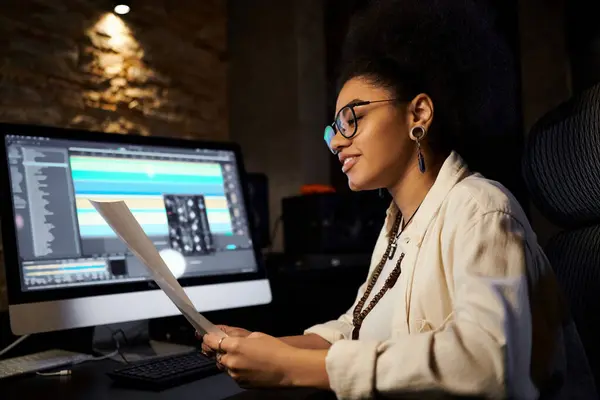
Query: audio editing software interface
{"points": [[188, 201]]}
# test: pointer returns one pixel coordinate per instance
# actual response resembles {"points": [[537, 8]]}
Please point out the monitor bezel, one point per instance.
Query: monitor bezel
{"points": [[9, 236]]}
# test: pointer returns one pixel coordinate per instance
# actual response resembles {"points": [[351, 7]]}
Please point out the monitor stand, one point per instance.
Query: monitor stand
{"points": [[134, 342]]}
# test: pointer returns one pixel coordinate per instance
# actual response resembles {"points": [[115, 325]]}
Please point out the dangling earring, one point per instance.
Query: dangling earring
{"points": [[420, 157], [417, 137], [381, 193]]}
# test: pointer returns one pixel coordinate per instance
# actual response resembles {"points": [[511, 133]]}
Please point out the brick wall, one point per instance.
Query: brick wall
{"points": [[159, 70]]}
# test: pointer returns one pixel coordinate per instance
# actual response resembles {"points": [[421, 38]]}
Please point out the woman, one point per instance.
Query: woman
{"points": [[460, 299]]}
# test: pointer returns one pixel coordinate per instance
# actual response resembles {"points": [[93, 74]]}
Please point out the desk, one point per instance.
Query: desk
{"points": [[90, 382]]}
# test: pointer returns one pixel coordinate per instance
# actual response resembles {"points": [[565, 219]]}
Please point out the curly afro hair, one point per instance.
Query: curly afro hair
{"points": [[446, 49]]}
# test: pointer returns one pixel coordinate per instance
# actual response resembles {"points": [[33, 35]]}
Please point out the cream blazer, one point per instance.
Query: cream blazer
{"points": [[462, 322]]}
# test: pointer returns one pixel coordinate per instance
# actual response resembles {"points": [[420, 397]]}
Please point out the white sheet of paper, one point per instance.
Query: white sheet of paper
{"points": [[118, 216]]}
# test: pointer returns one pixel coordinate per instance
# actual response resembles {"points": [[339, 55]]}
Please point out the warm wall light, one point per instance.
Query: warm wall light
{"points": [[119, 36], [122, 9]]}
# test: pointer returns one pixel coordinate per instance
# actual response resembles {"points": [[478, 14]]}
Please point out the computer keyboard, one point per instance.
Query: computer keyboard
{"points": [[39, 362], [165, 372]]}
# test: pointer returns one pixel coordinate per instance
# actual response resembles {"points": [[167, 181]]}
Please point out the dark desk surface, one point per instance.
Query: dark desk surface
{"points": [[90, 382]]}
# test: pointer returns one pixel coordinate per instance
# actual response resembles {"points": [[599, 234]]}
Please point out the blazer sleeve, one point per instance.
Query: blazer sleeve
{"points": [[483, 351]]}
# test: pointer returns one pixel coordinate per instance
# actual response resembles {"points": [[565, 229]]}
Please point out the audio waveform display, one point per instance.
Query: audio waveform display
{"points": [[63, 269], [142, 184]]}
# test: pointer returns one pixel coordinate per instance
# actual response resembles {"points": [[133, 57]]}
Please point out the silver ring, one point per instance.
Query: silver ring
{"points": [[218, 357], [220, 342], [416, 137]]}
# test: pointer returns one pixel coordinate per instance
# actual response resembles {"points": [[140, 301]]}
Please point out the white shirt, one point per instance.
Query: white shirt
{"points": [[459, 319]]}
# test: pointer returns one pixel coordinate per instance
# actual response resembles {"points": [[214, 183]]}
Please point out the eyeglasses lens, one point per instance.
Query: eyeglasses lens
{"points": [[328, 136], [346, 122]]}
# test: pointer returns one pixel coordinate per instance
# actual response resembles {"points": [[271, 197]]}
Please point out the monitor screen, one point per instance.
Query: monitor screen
{"points": [[188, 198]]}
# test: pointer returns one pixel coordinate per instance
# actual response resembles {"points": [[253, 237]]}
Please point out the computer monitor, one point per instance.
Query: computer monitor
{"points": [[66, 268]]}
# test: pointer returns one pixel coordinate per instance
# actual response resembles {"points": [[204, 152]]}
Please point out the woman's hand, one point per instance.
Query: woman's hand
{"points": [[230, 331], [257, 360]]}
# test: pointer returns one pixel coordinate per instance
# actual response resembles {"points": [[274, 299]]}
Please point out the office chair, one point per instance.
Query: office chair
{"points": [[561, 167]]}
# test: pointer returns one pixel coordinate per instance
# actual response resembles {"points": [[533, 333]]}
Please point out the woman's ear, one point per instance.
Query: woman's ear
{"points": [[421, 111]]}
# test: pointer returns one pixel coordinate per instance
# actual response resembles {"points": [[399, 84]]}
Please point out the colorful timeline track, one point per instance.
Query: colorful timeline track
{"points": [[141, 184]]}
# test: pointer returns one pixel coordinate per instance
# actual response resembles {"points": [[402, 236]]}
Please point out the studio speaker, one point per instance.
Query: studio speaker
{"points": [[258, 197]]}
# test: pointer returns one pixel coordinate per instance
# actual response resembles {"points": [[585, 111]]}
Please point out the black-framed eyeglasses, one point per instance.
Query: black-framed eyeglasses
{"points": [[346, 122]]}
